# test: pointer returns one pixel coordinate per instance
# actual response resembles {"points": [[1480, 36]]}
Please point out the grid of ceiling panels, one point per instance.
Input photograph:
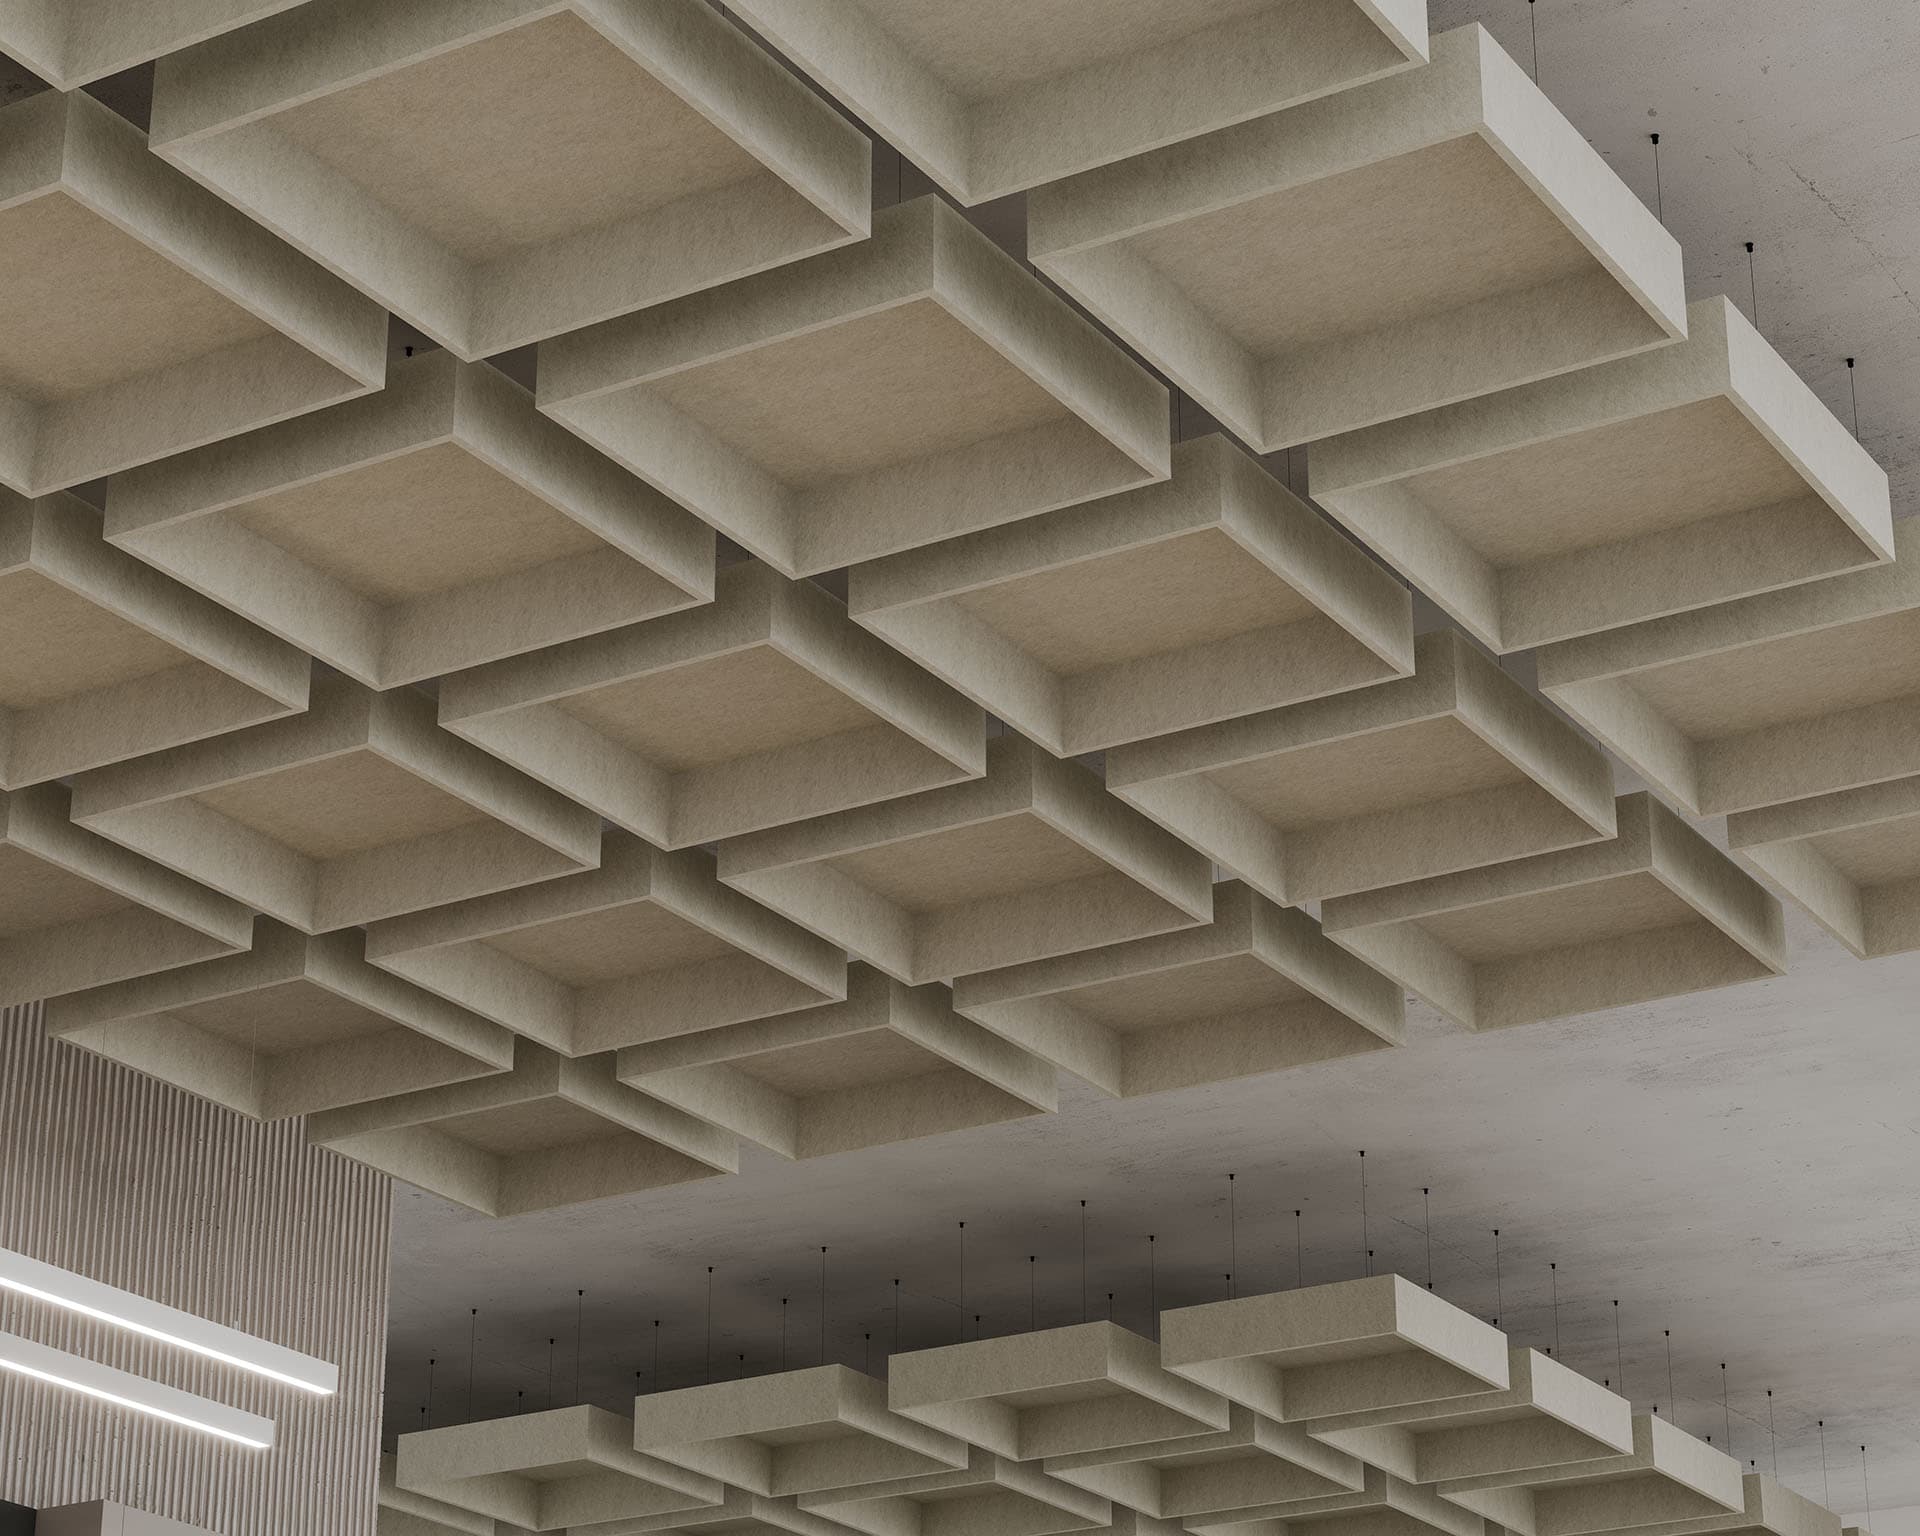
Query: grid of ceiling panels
{"points": [[551, 630]]}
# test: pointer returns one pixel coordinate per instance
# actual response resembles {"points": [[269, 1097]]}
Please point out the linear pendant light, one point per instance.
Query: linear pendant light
{"points": [[123, 1309], [23, 1357]]}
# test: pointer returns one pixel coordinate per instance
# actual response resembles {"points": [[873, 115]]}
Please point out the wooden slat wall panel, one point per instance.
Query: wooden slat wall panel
{"points": [[137, 1184]]}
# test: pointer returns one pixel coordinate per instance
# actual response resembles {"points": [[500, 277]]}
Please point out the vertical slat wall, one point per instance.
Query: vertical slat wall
{"points": [[137, 1184]]}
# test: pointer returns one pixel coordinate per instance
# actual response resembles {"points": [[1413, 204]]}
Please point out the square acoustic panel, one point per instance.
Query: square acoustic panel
{"points": [[890, 1063], [438, 524], [793, 1432], [1451, 768], [549, 1133], [648, 945], [69, 43], [549, 1471], [914, 387], [765, 706], [1806, 691], [499, 173], [1654, 911], [359, 809], [992, 96], [1768, 1510], [400, 1513], [294, 1025], [990, 1496], [1237, 597], [1384, 1505], [1283, 271], [1687, 476], [1088, 1387], [142, 316], [739, 1514], [1034, 859], [1257, 989], [1200, 1479], [78, 911], [103, 658]]}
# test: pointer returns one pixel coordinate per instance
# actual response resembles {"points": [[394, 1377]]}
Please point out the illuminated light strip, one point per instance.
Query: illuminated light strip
{"points": [[123, 1309], [105, 1384]]}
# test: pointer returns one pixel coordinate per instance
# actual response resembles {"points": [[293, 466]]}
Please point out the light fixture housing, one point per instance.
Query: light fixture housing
{"points": [[104, 1383], [77, 1293]]}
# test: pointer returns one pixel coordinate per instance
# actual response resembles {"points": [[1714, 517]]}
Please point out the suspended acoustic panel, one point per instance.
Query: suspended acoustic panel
{"points": [[1238, 597], [1690, 475], [78, 911], [890, 1063], [649, 944], [1218, 1477], [1546, 1416], [69, 43], [1257, 989], [992, 96], [795, 1432], [551, 1132], [1777, 697], [1327, 1351], [143, 316], [1667, 1476], [294, 1025], [400, 1513], [1851, 859], [990, 1496], [548, 1471], [1454, 767], [359, 809], [103, 658], [765, 706], [422, 153], [1088, 1387], [740, 1514], [1769, 1510], [1655, 911], [1034, 859], [1384, 1506], [438, 524], [1283, 272], [914, 387]]}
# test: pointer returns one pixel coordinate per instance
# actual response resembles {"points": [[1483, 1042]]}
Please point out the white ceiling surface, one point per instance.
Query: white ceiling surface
{"points": [[1739, 1168]]}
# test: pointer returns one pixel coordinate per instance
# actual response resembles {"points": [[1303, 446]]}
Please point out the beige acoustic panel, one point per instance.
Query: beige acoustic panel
{"points": [[294, 1025], [1034, 859], [69, 43], [423, 152], [647, 946], [890, 1063], [1454, 767], [79, 911], [400, 1513], [1655, 911], [1383, 1506], [1258, 989], [912, 388], [359, 809], [103, 658], [1545, 1417], [142, 316], [441, 523], [1330, 1352], [1197, 1479], [1767, 1510], [739, 1514], [548, 1471], [1805, 691], [989, 97], [767, 705], [1667, 1476], [551, 1132], [1087, 1387], [988, 1496], [1236, 597], [1283, 272], [794, 1432], [1691, 475], [1851, 859]]}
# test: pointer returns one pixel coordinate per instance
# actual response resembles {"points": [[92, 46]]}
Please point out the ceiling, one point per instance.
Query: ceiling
{"points": [[1737, 1168]]}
